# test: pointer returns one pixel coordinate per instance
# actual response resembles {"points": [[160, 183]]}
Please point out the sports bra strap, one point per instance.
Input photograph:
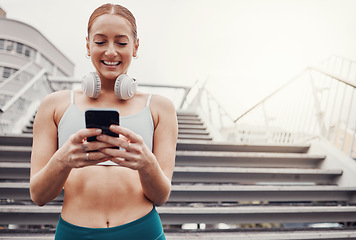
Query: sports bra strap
{"points": [[72, 96], [148, 100]]}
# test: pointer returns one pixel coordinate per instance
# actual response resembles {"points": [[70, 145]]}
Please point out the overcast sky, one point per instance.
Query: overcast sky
{"points": [[237, 44]]}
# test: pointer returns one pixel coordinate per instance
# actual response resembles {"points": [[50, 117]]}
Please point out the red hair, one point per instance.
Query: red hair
{"points": [[115, 10]]}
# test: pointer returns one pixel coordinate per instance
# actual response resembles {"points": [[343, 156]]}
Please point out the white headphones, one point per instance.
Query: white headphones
{"points": [[125, 86]]}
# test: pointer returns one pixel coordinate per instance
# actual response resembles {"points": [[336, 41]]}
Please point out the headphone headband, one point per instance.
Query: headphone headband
{"points": [[125, 86]]}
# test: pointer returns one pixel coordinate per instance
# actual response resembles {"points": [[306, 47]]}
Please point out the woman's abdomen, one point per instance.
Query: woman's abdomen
{"points": [[103, 196]]}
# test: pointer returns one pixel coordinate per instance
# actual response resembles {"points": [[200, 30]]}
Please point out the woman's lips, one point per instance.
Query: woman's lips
{"points": [[109, 63]]}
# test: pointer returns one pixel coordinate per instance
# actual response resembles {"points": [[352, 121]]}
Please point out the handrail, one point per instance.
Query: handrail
{"points": [[77, 80], [221, 108], [269, 96], [23, 90], [18, 72], [320, 104], [334, 76]]}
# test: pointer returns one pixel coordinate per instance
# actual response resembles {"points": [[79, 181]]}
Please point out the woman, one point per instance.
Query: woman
{"points": [[105, 202]]}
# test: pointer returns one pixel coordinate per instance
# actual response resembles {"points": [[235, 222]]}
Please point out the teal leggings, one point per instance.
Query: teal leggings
{"points": [[149, 227]]}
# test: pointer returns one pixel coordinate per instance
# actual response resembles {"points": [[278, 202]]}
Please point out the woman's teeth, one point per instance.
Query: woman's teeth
{"points": [[111, 63]]}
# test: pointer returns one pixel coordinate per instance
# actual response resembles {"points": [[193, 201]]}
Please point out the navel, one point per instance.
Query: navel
{"points": [[107, 224]]}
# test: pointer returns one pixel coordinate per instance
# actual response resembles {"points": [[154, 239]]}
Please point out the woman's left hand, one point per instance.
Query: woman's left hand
{"points": [[133, 152]]}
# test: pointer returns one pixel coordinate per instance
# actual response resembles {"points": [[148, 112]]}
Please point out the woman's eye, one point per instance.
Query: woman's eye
{"points": [[122, 44], [99, 43]]}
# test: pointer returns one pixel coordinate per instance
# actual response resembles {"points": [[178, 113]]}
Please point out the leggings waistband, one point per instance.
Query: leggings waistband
{"points": [[147, 227]]}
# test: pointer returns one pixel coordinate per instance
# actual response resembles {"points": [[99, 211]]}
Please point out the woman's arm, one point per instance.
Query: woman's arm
{"points": [[47, 175], [164, 150], [50, 167]]}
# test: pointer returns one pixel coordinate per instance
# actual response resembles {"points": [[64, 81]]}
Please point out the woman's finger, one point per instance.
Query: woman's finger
{"points": [[89, 159], [114, 141], [95, 156], [128, 134], [95, 146], [85, 133]]}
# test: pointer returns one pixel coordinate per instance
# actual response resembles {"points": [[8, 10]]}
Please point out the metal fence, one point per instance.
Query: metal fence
{"points": [[320, 101]]}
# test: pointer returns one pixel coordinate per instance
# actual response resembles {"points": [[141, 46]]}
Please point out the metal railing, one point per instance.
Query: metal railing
{"points": [[201, 101], [23, 90], [22, 100], [15, 75], [20, 95], [318, 102]]}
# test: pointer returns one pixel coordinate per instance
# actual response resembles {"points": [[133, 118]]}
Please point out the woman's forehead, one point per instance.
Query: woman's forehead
{"points": [[111, 24]]}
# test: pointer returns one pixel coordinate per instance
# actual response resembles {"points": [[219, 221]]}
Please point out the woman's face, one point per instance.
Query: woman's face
{"points": [[111, 45]]}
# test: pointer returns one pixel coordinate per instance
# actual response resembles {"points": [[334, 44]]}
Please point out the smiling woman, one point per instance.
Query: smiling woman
{"points": [[102, 200], [111, 45]]}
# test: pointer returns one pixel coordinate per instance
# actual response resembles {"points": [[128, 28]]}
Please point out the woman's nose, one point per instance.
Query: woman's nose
{"points": [[111, 51]]}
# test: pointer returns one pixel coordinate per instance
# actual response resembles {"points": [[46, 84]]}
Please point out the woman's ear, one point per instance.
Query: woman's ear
{"points": [[88, 48], [137, 44]]}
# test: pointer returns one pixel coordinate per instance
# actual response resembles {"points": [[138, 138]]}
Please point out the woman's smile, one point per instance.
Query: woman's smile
{"points": [[108, 63]]}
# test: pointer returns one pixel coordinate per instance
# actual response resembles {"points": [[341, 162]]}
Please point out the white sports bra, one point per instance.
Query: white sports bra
{"points": [[73, 120]]}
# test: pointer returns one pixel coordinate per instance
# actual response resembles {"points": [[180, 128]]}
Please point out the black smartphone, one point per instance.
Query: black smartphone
{"points": [[102, 118]]}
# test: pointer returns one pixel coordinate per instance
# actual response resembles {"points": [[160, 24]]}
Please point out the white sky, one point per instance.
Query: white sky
{"points": [[245, 47]]}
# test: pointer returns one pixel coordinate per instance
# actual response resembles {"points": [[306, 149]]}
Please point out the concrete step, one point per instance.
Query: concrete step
{"points": [[28, 128], [195, 137], [21, 171], [248, 193], [15, 171], [315, 234], [192, 132], [190, 122], [257, 214], [247, 159], [204, 158], [189, 118], [191, 145], [19, 191], [270, 235], [254, 175], [16, 140], [191, 127], [181, 113], [198, 153], [15, 153], [31, 214]]}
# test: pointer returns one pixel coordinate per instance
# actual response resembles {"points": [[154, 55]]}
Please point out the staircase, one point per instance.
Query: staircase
{"points": [[220, 191]]}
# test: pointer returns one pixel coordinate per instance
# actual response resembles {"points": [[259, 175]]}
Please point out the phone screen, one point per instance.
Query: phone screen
{"points": [[102, 118]]}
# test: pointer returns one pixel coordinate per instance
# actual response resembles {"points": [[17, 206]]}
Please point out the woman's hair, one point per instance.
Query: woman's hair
{"points": [[115, 10]]}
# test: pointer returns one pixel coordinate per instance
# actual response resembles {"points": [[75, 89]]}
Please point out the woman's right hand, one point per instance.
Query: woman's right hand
{"points": [[78, 153]]}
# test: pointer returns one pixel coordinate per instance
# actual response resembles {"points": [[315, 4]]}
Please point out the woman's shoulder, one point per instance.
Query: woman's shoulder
{"points": [[163, 110], [162, 103], [56, 96], [55, 99]]}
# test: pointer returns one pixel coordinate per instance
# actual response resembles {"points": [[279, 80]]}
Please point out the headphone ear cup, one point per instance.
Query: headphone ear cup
{"points": [[125, 87], [91, 85]]}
